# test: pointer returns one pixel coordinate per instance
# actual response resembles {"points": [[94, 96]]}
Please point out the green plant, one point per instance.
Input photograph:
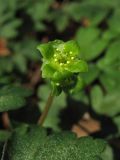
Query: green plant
{"points": [[61, 64], [27, 142], [96, 28], [30, 143]]}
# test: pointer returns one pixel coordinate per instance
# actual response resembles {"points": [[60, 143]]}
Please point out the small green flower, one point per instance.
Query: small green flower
{"points": [[61, 63]]}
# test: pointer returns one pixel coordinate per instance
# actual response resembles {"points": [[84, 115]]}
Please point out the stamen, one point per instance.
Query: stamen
{"points": [[61, 64], [68, 62], [55, 55], [72, 58], [56, 60]]}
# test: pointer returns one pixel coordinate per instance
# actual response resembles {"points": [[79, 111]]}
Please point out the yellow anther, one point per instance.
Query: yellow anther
{"points": [[55, 55], [61, 64], [72, 58], [68, 62], [56, 60]]}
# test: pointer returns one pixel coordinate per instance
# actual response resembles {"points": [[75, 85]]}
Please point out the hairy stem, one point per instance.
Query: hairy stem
{"points": [[46, 110]]}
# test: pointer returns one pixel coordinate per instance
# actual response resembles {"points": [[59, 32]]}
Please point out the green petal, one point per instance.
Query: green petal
{"points": [[47, 71], [46, 50], [78, 66], [73, 47]]}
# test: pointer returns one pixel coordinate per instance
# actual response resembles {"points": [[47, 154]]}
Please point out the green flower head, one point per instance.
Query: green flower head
{"points": [[61, 63]]}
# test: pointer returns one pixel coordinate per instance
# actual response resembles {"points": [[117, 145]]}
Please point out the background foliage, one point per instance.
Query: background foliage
{"points": [[96, 27]]}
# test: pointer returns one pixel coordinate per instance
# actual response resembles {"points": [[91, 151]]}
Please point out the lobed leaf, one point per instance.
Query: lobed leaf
{"points": [[35, 144]]}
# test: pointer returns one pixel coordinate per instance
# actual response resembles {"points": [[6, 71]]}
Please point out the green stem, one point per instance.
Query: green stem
{"points": [[46, 110]]}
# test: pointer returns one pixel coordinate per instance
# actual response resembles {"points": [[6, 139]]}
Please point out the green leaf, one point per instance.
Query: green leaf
{"points": [[114, 21], [110, 34], [81, 96], [109, 65], [90, 43], [117, 122], [92, 51], [108, 153], [85, 36], [92, 74], [110, 82], [108, 104], [35, 144], [96, 98], [67, 146], [111, 57], [20, 62], [5, 80], [16, 90], [94, 12], [9, 30], [105, 3], [59, 103], [6, 65], [62, 22], [13, 98], [39, 11], [8, 22], [29, 53], [27, 141], [10, 102], [4, 135]]}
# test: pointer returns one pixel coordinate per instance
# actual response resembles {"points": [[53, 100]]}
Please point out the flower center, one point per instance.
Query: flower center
{"points": [[63, 58]]}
